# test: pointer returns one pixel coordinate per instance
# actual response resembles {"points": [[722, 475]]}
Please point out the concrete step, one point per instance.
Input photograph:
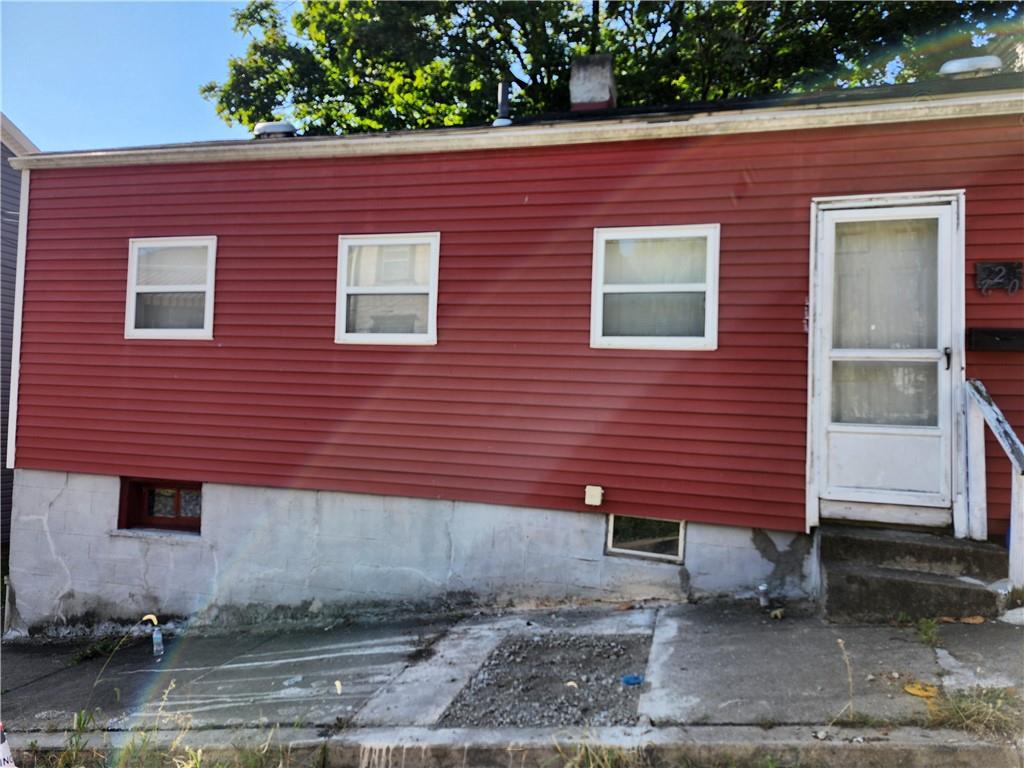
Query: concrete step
{"points": [[912, 551], [856, 592]]}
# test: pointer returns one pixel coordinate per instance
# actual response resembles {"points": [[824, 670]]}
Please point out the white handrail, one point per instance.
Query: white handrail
{"points": [[982, 410]]}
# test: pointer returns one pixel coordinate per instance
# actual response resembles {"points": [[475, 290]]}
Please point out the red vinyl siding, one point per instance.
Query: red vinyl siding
{"points": [[512, 406]]}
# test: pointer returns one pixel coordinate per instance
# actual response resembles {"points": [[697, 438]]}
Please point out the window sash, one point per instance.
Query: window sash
{"points": [[345, 243], [599, 289], [135, 245]]}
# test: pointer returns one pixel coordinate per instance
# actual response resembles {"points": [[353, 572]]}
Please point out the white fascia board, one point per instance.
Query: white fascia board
{"points": [[14, 139], [549, 134]]}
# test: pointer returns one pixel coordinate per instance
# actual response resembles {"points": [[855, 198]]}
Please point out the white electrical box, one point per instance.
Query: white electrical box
{"points": [[592, 495]]}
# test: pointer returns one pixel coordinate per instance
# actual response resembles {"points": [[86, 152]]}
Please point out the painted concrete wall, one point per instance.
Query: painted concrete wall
{"points": [[263, 549]]}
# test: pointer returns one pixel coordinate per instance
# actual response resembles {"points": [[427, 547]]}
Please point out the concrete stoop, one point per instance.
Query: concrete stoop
{"points": [[680, 747], [880, 574]]}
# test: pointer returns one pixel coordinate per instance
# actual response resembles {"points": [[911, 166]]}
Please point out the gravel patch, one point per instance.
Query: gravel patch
{"points": [[554, 680]]}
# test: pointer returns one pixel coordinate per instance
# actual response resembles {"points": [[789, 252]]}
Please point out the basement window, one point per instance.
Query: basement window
{"points": [[170, 288], [655, 288], [165, 504], [387, 289], [646, 537]]}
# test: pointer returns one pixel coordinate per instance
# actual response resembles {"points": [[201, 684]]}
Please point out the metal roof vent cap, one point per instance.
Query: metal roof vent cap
{"points": [[975, 66], [504, 114], [280, 129]]}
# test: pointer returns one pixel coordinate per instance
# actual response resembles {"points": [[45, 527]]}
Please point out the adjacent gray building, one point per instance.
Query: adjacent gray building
{"points": [[12, 144]]}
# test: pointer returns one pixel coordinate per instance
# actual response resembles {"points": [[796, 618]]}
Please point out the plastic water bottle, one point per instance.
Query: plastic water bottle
{"points": [[158, 642]]}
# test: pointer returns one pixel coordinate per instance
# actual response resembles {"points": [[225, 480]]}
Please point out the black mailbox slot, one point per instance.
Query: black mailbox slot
{"points": [[995, 339]]}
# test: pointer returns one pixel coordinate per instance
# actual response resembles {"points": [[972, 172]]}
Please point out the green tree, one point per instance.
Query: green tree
{"points": [[367, 65]]}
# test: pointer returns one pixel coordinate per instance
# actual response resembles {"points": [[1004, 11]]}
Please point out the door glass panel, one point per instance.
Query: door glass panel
{"points": [[886, 285], [904, 394]]}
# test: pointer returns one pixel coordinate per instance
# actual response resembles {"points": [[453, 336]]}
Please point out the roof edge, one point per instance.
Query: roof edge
{"points": [[16, 141], [548, 134]]}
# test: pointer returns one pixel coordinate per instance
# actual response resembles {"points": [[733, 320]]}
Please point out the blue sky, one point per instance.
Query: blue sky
{"points": [[86, 75]]}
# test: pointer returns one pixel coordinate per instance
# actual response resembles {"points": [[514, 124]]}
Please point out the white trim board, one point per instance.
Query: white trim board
{"points": [[897, 514], [659, 126], [19, 301]]}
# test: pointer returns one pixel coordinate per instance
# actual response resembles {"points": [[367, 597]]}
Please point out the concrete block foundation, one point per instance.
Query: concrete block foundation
{"points": [[272, 551]]}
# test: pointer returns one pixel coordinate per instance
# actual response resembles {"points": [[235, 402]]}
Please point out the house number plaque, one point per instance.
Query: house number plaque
{"points": [[998, 275]]}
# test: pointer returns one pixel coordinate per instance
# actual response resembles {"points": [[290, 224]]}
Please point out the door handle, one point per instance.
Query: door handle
{"points": [[948, 352]]}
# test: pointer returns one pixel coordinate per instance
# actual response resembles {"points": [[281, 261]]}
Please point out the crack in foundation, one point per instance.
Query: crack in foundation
{"points": [[66, 590]]}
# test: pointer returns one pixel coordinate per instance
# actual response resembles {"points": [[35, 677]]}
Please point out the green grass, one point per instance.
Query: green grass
{"points": [[928, 632]]}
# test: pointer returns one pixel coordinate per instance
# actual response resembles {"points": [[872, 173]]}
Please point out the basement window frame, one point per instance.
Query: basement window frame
{"points": [[709, 287], [132, 510], [135, 245], [677, 558], [387, 287]]}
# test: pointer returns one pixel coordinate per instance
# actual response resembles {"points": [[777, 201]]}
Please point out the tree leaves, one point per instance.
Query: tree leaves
{"points": [[369, 65]]}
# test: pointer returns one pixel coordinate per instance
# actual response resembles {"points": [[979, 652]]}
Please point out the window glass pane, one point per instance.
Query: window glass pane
{"points": [[886, 284], [904, 394], [400, 264], [386, 313], [172, 266], [654, 314], [191, 503], [660, 537], [169, 310], [656, 260], [160, 502]]}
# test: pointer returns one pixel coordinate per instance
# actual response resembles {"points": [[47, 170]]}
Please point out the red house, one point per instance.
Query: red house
{"points": [[614, 354]]}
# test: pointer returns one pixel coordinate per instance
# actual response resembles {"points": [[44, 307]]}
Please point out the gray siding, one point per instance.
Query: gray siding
{"points": [[10, 197]]}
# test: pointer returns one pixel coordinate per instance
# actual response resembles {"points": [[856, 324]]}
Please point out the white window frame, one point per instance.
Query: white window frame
{"points": [[676, 558], [709, 341], [134, 244], [345, 242]]}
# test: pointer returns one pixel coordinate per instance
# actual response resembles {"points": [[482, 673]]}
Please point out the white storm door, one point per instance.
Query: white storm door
{"points": [[885, 355]]}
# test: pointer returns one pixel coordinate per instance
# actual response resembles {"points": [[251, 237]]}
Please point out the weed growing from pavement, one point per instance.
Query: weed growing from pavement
{"points": [[588, 755], [847, 709], [141, 752], [76, 751], [928, 632], [991, 712], [107, 646]]}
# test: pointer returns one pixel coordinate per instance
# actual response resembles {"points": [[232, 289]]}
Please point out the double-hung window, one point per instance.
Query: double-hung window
{"points": [[655, 287], [387, 289], [170, 288]]}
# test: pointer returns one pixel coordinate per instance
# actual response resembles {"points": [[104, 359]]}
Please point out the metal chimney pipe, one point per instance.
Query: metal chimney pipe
{"points": [[504, 87]]}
